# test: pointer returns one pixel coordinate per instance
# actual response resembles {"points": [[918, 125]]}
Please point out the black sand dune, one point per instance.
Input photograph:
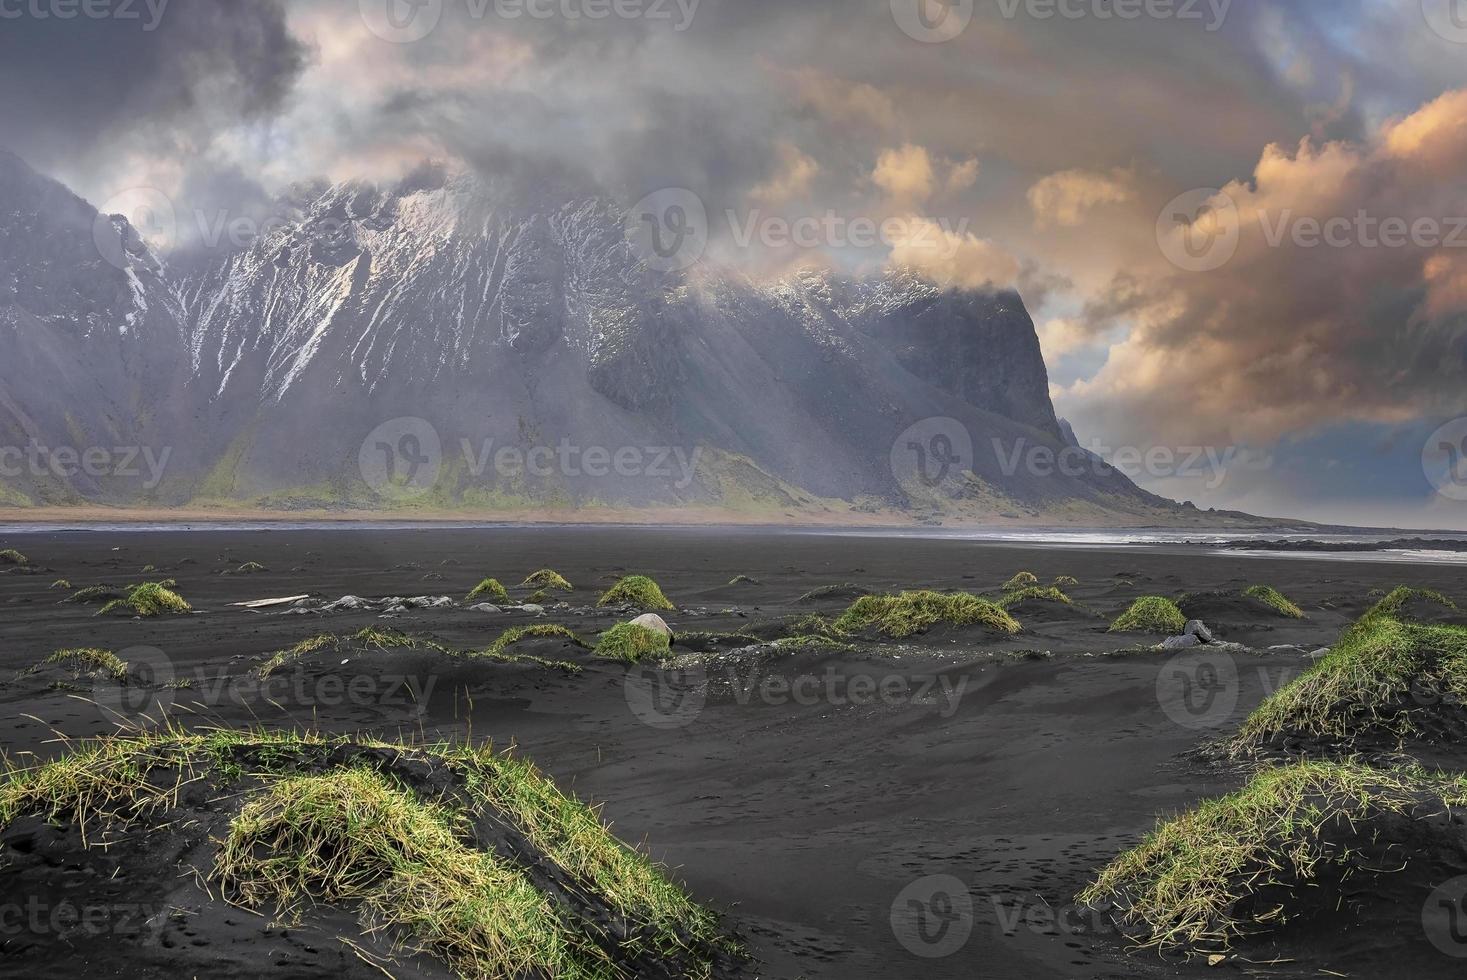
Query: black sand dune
{"points": [[784, 793]]}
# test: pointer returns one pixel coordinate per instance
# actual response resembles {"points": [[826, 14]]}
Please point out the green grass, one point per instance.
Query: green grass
{"points": [[1275, 600], [547, 578], [12, 557], [902, 615], [149, 599], [1066, 582], [336, 821], [353, 837], [744, 580], [95, 593], [1151, 614], [490, 588], [1197, 882], [250, 568], [87, 661], [1377, 667], [1023, 580], [633, 644], [1034, 592], [61, 583], [537, 631], [373, 638], [636, 590]]}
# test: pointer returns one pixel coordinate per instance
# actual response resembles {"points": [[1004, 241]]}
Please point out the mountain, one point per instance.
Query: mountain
{"points": [[467, 343]]}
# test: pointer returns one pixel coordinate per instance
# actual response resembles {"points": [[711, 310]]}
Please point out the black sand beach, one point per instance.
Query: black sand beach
{"points": [[805, 793]]}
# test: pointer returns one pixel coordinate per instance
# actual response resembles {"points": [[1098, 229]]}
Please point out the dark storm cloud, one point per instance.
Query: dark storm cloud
{"points": [[81, 89]]}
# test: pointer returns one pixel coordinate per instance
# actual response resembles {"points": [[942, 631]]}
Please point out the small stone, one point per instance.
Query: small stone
{"points": [[1185, 642], [485, 607], [533, 609], [1199, 629]]}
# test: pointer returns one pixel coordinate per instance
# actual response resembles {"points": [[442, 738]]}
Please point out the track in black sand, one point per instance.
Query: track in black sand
{"points": [[807, 795]]}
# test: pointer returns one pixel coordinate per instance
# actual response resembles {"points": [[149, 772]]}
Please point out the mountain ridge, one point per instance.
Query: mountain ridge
{"points": [[463, 306]]}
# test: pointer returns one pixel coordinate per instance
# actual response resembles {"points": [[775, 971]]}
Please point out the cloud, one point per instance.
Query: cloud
{"points": [[952, 257], [791, 181], [1066, 197], [1344, 299], [905, 174]]}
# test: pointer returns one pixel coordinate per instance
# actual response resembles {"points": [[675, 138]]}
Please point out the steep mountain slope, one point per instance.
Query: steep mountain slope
{"points": [[462, 342]]}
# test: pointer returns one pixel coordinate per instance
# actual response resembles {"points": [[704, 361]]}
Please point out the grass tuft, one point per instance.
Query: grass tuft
{"points": [[633, 644], [1275, 600], [636, 590], [149, 599], [1066, 582], [744, 580], [537, 631], [1023, 580], [1372, 679], [1035, 592], [547, 578], [87, 661], [1151, 614], [353, 837], [1208, 877], [12, 557], [489, 587], [914, 612]]}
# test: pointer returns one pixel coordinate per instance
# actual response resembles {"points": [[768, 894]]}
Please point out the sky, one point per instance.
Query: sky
{"points": [[1240, 226]]}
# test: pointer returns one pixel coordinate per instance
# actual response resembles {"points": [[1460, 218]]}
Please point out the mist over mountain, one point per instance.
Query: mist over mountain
{"points": [[464, 342]]}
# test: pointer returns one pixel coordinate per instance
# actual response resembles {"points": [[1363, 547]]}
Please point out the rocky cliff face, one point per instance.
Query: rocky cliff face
{"points": [[385, 346]]}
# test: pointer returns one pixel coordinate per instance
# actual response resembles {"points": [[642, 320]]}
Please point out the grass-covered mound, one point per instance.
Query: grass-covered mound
{"points": [[902, 615], [490, 590], [633, 644], [535, 631], [636, 590], [374, 639], [1023, 580], [85, 662], [12, 557], [452, 851], [149, 599], [1150, 614], [1297, 843], [1066, 582], [547, 578], [1035, 593], [1391, 674], [1275, 600]]}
